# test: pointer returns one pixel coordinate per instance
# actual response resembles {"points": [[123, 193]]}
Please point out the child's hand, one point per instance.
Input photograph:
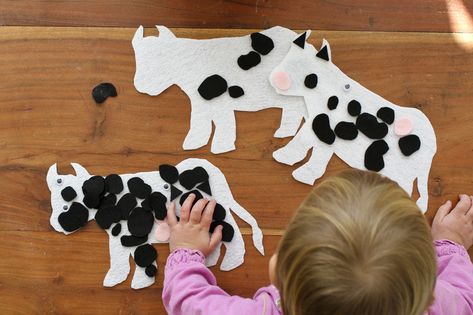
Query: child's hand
{"points": [[455, 225], [192, 230]]}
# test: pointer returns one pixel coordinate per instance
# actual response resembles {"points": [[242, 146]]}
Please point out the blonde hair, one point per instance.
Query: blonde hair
{"points": [[357, 245]]}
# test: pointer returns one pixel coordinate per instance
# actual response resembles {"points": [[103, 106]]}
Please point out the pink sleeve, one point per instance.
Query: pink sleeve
{"points": [[454, 289], [190, 288]]}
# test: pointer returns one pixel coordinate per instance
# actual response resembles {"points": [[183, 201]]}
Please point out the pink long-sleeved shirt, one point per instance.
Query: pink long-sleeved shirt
{"points": [[190, 288]]}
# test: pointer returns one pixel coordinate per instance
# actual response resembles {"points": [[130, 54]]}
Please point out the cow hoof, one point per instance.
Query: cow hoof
{"points": [[303, 175], [193, 144], [114, 278], [217, 149], [284, 132], [285, 157]]}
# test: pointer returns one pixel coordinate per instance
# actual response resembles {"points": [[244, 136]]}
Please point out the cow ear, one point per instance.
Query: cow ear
{"points": [[165, 32], [300, 40], [325, 53]]}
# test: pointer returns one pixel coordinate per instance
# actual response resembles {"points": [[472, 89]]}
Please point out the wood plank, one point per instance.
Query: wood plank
{"points": [[386, 15]]}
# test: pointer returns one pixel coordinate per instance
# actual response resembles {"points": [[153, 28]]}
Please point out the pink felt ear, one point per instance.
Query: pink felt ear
{"points": [[281, 80], [163, 231], [403, 126]]}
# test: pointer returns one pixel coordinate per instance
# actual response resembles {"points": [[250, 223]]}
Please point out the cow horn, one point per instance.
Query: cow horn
{"points": [[80, 170], [52, 175], [165, 32], [138, 35]]}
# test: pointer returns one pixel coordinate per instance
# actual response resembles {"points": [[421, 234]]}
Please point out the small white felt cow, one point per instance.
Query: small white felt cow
{"points": [[219, 76], [362, 128], [131, 208]]}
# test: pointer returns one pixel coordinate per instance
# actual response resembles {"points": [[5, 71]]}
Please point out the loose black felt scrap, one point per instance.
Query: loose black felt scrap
{"points": [[409, 144], [175, 192], [321, 127], [108, 200], [300, 41], [227, 230], [213, 86], [116, 229], [158, 205], [68, 193], [332, 102], [145, 255], [75, 218], [248, 61], [261, 43], [370, 127], [374, 160], [113, 184], [354, 108], [106, 216], [126, 203], [323, 54], [219, 213], [151, 270], [140, 222], [235, 91], [131, 240], [386, 114], [138, 187], [102, 91], [205, 187], [197, 194], [168, 173], [346, 130], [310, 81]]}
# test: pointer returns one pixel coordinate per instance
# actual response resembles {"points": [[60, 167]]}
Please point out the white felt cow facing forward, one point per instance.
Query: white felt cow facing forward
{"points": [[220, 76], [131, 208], [362, 128]]}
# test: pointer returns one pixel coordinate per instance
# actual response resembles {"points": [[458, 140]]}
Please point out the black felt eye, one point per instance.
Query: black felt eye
{"points": [[311, 81], [65, 207], [347, 87], [166, 186]]}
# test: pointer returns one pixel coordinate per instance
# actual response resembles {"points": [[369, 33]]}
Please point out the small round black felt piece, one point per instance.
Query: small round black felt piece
{"points": [[205, 187], [332, 102], [94, 185], [248, 61], [68, 193], [91, 201], [409, 144], [113, 184], [108, 200], [116, 229], [126, 203], [197, 194], [354, 108], [145, 255], [386, 114], [168, 173], [131, 240], [261, 43], [212, 86], [75, 218], [374, 160], [310, 81], [235, 91], [140, 222], [151, 270], [346, 130], [175, 192], [106, 216], [321, 127], [219, 213], [227, 230], [370, 127], [102, 91], [138, 187]]}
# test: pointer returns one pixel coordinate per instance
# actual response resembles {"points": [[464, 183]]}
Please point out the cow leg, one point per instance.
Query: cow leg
{"points": [[140, 279], [290, 121], [314, 168], [119, 263], [297, 148], [211, 260], [225, 132], [200, 128]]}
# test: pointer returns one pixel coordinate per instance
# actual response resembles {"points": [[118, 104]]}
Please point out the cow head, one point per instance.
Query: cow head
{"points": [[56, 184], [154, 57]]}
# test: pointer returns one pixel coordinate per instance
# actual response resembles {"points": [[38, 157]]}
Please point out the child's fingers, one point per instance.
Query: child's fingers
{"points": [[208, 214], [470, 211], [215, 238], [186, 208], [172, 219], [463, 205], [196, 212], [443, 210]]}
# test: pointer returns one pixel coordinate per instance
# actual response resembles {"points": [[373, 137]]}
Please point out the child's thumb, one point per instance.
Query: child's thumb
{"points": [[215, 238]]}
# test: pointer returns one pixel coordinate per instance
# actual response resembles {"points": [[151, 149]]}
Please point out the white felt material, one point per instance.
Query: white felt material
{"points": [[164, 60], [299, 63], [119, 255]]}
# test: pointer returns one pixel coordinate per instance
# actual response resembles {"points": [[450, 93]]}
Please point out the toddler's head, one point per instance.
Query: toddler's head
{"points": [[357, 245]]}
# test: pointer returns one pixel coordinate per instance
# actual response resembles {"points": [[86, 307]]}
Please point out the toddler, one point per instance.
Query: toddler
{"points": [[357, 245]]}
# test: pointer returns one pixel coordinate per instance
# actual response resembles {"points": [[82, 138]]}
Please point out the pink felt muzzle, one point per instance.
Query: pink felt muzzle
{"points": [[403, 126], [281, 80]]}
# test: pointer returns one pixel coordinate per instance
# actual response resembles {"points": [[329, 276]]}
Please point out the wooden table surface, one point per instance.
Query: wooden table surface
{"points": [[52, 53]]}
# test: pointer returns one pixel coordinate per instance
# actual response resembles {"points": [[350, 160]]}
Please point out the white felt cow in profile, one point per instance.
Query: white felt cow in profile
{"points": [[131, 208], [220, 76], [362, 128]]}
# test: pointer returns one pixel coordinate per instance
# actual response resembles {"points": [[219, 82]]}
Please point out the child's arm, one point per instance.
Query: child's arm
{"points": [[189, 286], [452, 231]]}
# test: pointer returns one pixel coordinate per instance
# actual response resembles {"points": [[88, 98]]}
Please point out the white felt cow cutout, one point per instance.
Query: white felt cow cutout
{"points": [[70, 194], [362, 128], [219, 76]]}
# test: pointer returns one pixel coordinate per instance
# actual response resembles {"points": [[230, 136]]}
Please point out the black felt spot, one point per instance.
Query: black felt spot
{"points": [[248, 61], [91, 201], [151, 270], [138, 187], [386, 114], [235, 91], [321, 127], [261, 43], [332, 102], [212, 87], [108, 200], [409, 144], [227, 231], [374, 160], [68, 193], [197, 194], [175, 192], [116, 229], [75, 218], [106, 216], [370, 127], [140, 222], [190, 178], [205, 187], [310, 81], [131, 240], [102, 91], [354, 108], [145, 255], [126, 203], [158, 205], [323, 54], [94, 185], [113, 184], [169, 173], [346, 130], [300, 41], [146, 204], [219, 213]]}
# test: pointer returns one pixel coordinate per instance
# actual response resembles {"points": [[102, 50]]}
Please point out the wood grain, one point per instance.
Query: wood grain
{"points": [[369, 15]]}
